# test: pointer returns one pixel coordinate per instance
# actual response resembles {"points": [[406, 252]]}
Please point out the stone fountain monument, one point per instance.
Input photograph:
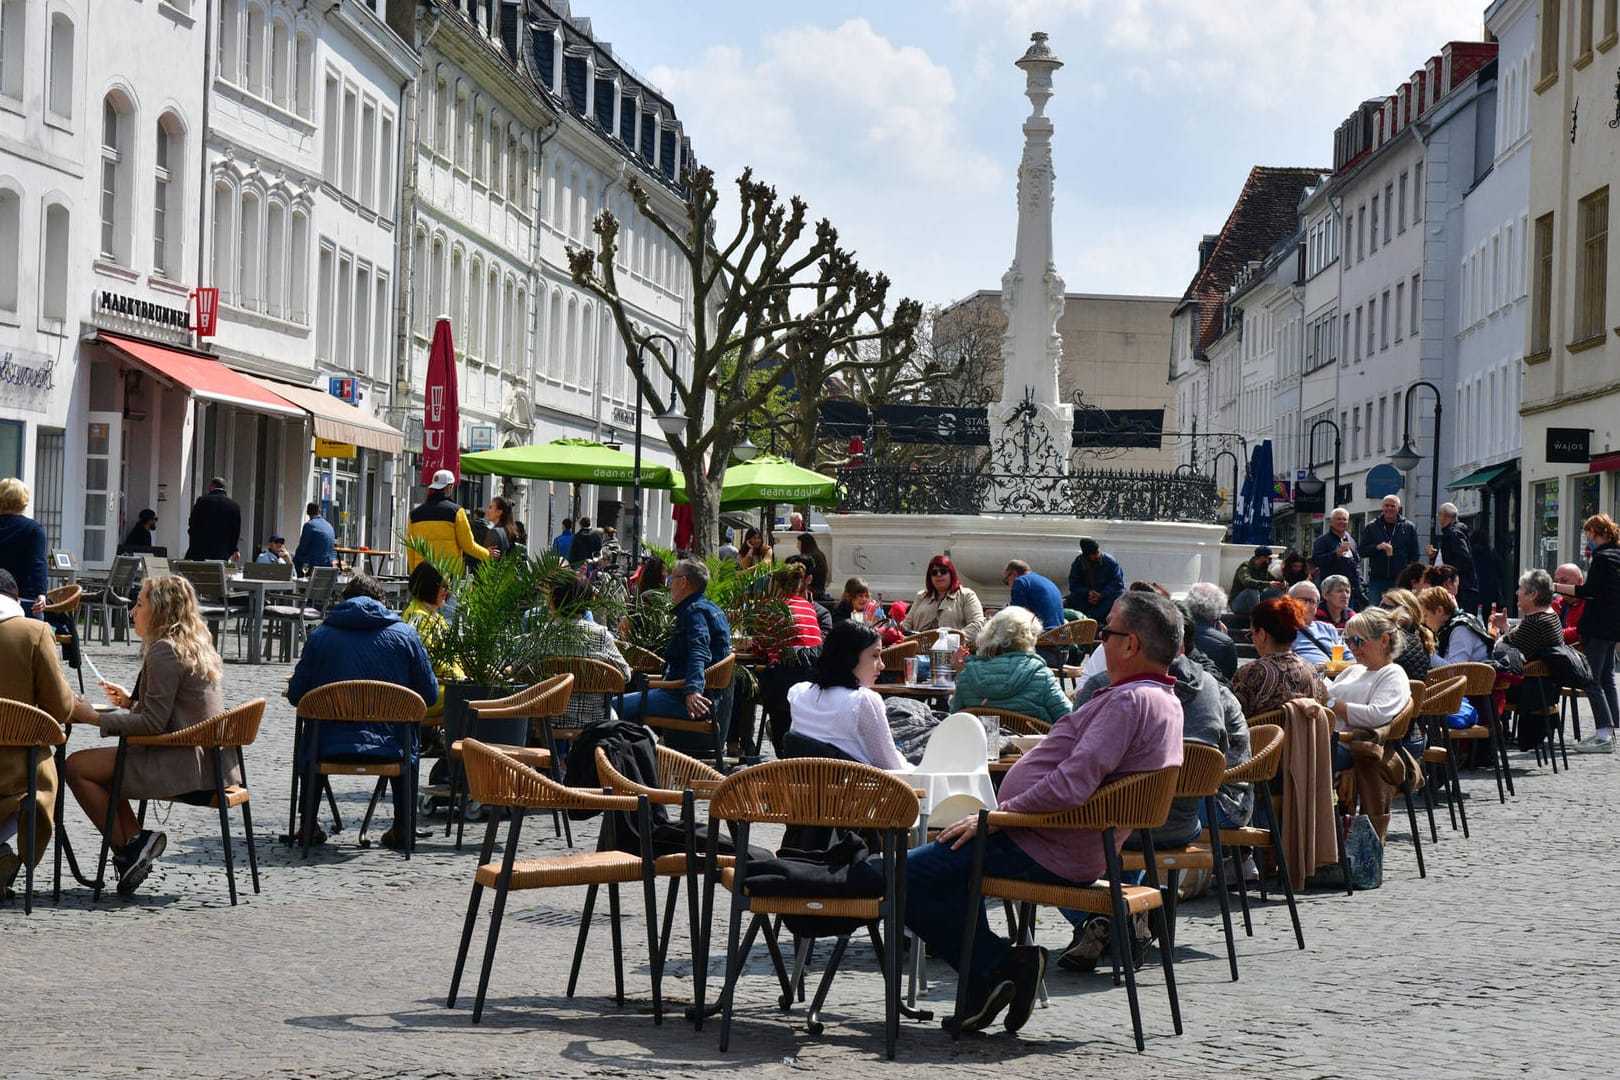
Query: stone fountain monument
{"points": [[1025, 500]]}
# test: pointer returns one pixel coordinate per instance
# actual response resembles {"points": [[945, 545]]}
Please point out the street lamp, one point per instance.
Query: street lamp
{"points": [[670, 422], [1407, 458], [745, 451], [1311, 485]]}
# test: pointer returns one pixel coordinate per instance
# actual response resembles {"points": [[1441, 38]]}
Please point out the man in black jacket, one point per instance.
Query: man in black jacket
{"points": [[1456, 552], [215, 528], [1390, 543], [1335, 553]]}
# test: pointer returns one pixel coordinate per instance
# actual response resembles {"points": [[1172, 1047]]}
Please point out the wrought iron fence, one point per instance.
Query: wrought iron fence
{"points": [[1119, 494]]}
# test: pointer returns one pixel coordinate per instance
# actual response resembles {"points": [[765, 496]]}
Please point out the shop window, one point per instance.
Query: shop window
{"points": [[1544, 525]]}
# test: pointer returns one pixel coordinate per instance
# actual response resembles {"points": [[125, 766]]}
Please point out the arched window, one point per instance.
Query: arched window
{"points": [[59, 77], [303, 75], [250, 254], [224, 242], [441, 117], [168, 203], [458, 286], [10, 247], [13, 46], [419, 281], [436, 282], [570, 360], [253, 52], [461, 128], [275, 257], [492, 315], [298, 269], [117, 159], [53, 283], [517, 311], [552, 363], [475, 309], [281, 61]]}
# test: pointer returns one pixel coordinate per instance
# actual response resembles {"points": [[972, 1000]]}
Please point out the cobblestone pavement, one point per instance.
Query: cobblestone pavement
{"points": [[1500, 963]]}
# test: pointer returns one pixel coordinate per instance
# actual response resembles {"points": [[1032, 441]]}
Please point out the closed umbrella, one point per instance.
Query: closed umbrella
{"points": [[441, 412], [1253, 523], [578, 461]]}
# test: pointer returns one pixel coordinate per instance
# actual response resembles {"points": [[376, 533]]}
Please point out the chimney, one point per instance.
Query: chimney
{"points": [[1206, 248]]}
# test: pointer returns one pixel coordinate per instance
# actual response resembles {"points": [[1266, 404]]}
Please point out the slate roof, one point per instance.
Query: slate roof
{"points": [[1265, 214]]}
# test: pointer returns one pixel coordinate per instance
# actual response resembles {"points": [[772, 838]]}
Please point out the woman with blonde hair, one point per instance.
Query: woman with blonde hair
{"points": [[1004, 671], [1371, 692], [179, 685], [1414, 657]]}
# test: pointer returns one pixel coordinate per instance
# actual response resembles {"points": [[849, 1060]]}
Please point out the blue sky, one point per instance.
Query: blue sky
{"points": [[900, 120]]}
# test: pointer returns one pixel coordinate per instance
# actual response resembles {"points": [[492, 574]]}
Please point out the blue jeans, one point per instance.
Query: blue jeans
{"points": [[937, 881], [673, 703], [1605, 707]]}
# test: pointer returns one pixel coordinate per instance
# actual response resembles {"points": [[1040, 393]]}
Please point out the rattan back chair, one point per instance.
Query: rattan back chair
{"points": [[1016, 722], [1265, 761], [36, 733], [809, 792], [1203, 771], [1272, 717], [356, 701], [595, 683], [1440, 700], [220, 735], [895, 656], [1375, 742], [1140, 802], [497, 779], [1538, 677], [1481, 691], [64, 602], [682, 781], [717, 688], [538, 706], [924, 639]]}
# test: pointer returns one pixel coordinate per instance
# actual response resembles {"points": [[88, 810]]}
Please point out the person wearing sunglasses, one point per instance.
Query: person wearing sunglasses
{"points": [[945, 603], [1373, 690]]}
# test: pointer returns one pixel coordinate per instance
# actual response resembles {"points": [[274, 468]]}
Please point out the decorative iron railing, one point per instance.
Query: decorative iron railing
{"points": [[1118, 494]]}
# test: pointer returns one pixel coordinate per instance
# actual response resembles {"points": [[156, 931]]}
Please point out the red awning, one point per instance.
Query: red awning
{"points": [[203, 376], [1605, 462]]}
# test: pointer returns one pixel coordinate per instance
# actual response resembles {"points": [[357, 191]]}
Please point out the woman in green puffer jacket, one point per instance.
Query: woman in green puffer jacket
{"points": [[1005, 673]]}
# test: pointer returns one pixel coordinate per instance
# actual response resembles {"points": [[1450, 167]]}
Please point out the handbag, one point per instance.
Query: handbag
{"points": [[1465, 717], [1365, 852]]}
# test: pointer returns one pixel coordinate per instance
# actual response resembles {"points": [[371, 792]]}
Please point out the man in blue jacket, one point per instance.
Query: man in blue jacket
{"points": [[1095, 581], [316, 543], [362, 639], [1034, 592], [702, 637]]}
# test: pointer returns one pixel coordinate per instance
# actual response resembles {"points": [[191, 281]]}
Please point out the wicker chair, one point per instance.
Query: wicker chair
{"points": [[64, 600], [541, 704], [36, 732], [1016, 722], [1272, 717], [641, 661], [716, 687], [1141, 802], [495, 778], [1203, 771], [1374, 742], [682, 781], [810, 792], [348, 702], [1535, 672], [1054, 644], [1481, 691], [230, 730], [1440, 700], [1265, 761], [924, 639], [593, 679], [895, 656]]}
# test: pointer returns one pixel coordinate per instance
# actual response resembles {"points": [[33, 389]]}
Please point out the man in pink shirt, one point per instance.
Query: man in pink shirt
{"points": [[1131, 726]]}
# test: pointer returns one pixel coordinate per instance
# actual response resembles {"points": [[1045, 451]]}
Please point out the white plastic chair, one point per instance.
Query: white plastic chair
{"points": [[954, 763]]}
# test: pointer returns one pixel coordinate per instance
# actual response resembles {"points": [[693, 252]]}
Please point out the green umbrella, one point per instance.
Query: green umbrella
{"points": [[579, 461], [769, 479]]}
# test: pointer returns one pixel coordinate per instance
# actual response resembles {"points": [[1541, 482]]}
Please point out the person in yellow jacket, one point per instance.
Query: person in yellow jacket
{"points": [[428, 592], [444, 525]]}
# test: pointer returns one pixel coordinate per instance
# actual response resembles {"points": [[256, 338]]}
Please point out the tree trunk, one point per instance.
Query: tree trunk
{"points": [[704, 495]]}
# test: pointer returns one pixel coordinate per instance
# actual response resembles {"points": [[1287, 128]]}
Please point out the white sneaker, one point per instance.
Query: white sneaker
{"points": [[1595, 745]]}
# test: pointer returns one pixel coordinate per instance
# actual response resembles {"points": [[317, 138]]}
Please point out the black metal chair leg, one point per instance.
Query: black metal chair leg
{"points": [[1220, 886], [224, 819], [27, 843], [1411, 817], [111, 820], [618, 944], [585, 916]]}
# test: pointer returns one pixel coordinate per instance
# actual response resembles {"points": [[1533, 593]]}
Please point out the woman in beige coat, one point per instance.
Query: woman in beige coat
{"points": [[945, 603], [179, 685]]}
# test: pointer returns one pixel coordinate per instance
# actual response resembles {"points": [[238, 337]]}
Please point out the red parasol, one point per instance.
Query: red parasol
{"points": [[441, 422]]}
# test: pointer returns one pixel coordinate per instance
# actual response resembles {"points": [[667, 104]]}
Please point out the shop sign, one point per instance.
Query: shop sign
{"points": [[481, 436], [331, 448], [26, 378], [134, 309], [1572, 446]]}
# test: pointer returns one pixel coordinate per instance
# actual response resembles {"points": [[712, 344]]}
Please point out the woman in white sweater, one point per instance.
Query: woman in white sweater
{"points": [[840, 707], [1373, 690]]}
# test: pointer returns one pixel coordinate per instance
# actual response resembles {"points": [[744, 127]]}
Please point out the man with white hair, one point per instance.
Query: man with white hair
{"points": [[1314, 642], [1390, 543], [1455, 551], [1335, 553], [1206, 603], [1569, 607]]}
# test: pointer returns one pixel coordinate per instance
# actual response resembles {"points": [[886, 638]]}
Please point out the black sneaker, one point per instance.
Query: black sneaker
{"points": [[1027, 967], [1086, 948], [983, 1008], [139, 854]]}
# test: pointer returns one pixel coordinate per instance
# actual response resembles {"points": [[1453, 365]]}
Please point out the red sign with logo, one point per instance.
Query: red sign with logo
{"points": [[207, 311], [441, 419]]}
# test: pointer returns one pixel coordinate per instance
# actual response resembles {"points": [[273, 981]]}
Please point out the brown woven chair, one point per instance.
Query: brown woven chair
{"points": [[1016, 722], [1203, 771], [716, 687], [64, 600], [924, 639], [593, 679], [1272, 717], [641, 661], [1375, 742], [230, 730], [348, 702], [1481, 691], [539, 705], [1265, 761], [1536, 675], [496, 779], [35, 732], [1139, 802], [895, 656], [682, 782], [809, 792], [1440, 700]]}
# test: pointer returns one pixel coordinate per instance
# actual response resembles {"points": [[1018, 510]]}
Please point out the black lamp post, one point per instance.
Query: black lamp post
{"points": [[670, 422], [1406, 458], [1311, 485]]}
